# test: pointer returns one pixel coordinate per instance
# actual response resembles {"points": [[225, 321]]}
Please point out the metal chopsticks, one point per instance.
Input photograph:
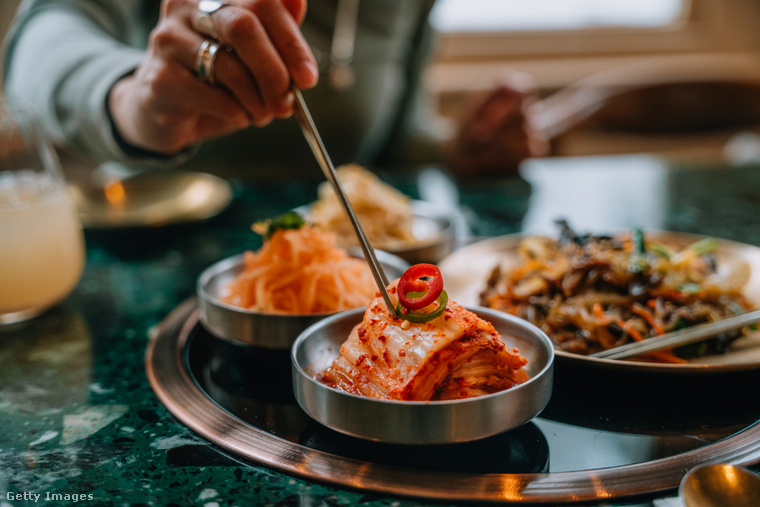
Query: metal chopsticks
{"points": [[320, 153], [681, 337]]}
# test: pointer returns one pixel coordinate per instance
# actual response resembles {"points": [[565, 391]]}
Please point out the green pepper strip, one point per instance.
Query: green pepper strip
{"points": [[705, 246], [639, 245], [419, 317], [637, 261], [288, 220]]}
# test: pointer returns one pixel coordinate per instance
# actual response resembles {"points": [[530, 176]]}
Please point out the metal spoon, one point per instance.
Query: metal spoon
{"points": [[720, 485], [320, 153]]}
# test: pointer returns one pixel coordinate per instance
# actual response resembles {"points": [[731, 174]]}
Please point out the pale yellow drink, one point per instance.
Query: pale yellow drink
{"points": [[41, 247]]}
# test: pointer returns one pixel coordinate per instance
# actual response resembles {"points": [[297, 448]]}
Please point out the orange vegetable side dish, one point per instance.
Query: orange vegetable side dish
{"points": [[301, 271], [452, 356]]}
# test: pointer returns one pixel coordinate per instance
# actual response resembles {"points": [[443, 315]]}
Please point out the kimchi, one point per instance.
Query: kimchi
{"points": [[454, 355]]}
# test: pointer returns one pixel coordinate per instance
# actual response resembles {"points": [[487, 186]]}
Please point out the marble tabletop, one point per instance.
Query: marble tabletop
{"points": [[80, 422]]}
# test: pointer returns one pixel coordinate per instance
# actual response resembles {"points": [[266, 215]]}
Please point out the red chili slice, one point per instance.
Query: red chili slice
{"points": [[411, 285]]}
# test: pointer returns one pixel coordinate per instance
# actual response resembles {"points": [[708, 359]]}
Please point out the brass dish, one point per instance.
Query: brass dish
{"points": [[152, 199]]}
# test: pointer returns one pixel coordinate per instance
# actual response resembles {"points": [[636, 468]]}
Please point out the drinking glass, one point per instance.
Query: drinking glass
{"points": [[41, 240]]}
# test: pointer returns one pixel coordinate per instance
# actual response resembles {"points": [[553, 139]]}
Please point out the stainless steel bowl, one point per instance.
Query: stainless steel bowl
{"points": [[406, 422], [268, 330], [433, 224], [436, 226]]}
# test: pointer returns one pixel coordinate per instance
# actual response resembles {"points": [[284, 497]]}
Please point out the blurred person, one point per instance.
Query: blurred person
{"points": [[498, 129], [172, 82]]}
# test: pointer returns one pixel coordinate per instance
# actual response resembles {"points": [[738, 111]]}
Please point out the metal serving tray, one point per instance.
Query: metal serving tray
{"points": [[588, 444]]}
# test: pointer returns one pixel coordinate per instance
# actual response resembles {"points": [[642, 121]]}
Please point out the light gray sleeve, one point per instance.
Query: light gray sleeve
{"points": [[62, 58]]}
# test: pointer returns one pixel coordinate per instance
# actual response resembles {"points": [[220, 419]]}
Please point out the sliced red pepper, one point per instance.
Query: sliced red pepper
{"points": [[420, 286]]}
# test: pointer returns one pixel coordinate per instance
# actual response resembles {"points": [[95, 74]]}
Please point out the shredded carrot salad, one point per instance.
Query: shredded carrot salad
{"points": [[301, 271]]}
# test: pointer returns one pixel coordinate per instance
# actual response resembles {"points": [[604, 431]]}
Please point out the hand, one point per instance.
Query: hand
{"points": [[496, 133], [164, 106]]}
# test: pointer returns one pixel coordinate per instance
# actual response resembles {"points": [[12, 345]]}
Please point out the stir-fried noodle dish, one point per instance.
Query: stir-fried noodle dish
{"points": [[591, 293]]}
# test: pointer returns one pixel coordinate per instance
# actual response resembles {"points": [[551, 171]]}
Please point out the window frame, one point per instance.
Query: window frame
{"points": [[469, 62], [699, 29]]}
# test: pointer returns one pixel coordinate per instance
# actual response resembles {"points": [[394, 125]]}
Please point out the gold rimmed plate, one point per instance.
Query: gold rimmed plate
{"points": [[152, 199], [466, 273]]}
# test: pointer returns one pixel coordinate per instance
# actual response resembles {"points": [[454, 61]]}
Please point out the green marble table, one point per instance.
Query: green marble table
{"points": [[80, 422]]}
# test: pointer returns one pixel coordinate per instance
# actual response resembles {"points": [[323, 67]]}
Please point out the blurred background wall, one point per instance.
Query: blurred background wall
{"points": [[7, 10], [685, 81], [678, 77]]}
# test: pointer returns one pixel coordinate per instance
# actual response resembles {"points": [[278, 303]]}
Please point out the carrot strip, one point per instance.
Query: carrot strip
{"points": [[666, 356], [301, 271], [628, 329], [643, 312], [599, 312]]}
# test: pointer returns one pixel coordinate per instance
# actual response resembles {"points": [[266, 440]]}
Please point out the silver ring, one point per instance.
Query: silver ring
{"points": [[204, 64], [203, 22]]}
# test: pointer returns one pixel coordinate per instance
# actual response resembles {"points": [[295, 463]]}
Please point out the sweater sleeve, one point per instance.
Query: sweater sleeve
{"points": [[418, 135], [62, 58]]}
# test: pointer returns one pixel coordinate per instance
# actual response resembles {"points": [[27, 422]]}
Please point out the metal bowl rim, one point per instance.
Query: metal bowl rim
{"points": [[224, 265], [229, 262], [542, 337], [420, 209]]}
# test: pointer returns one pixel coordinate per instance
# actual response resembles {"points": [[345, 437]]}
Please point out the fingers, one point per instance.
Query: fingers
{"points": [[247, 36], [286, 36], [266, 38], [172, 43], [231, 74], [157, 108], [296, 8], [173, 90], [212, 101], [261, 54]]}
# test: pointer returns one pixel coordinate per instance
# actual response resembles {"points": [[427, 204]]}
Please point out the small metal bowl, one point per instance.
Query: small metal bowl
{"points": [[433, 224], [409, 422], [436, 228], [267, 330]]}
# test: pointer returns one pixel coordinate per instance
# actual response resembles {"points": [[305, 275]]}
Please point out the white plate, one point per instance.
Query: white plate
{"points": [[466, 271]]}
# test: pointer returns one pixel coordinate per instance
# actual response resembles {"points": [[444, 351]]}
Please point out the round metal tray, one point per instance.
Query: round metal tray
{"points": [[182, 361]]}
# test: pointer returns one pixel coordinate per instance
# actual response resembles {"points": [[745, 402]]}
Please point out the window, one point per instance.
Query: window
{"points": [[507, 28], [561, 41], [451, 16]]}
